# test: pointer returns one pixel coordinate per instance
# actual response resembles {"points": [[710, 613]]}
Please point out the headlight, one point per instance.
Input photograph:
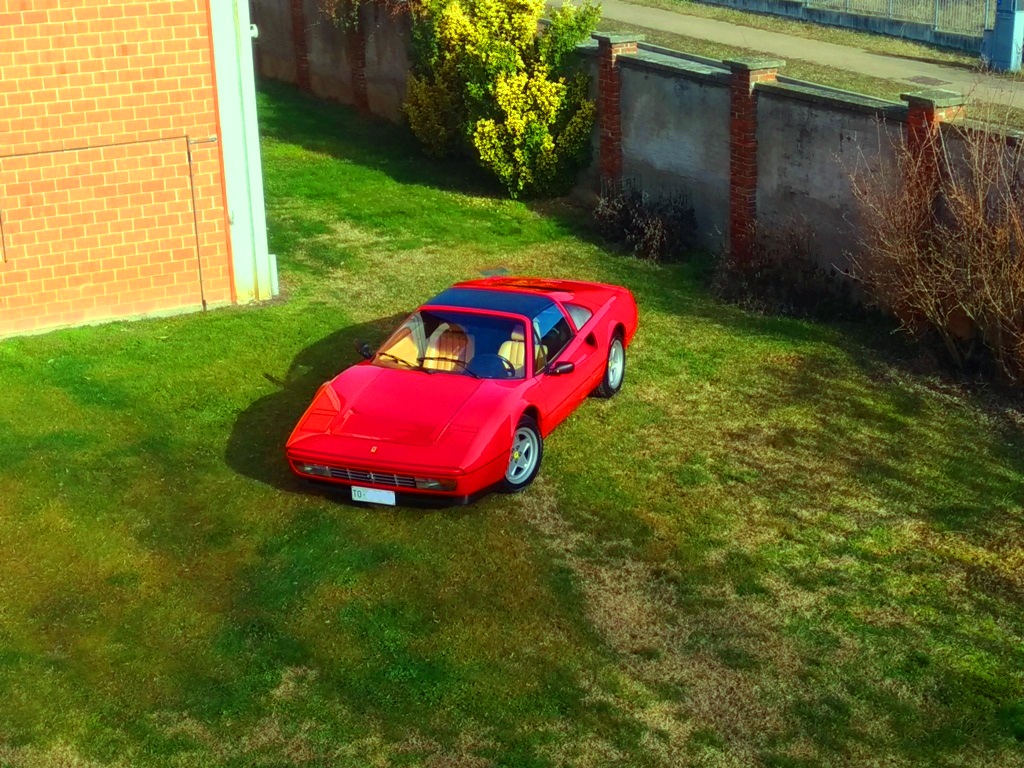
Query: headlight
{"points": [[434, 484], [315, 469]]}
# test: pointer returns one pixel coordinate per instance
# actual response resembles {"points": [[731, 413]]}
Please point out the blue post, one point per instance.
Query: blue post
{"points": [[1008, 36]]}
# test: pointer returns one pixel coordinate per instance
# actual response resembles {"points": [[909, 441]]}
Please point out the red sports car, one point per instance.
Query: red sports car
{"points": [[460, 398]]}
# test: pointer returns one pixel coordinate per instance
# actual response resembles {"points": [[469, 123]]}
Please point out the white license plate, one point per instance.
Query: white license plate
{"points": [[373, 495]]}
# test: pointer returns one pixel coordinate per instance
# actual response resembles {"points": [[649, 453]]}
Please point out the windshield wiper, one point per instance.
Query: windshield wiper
{"points": [[403, 361], [465, 366]]}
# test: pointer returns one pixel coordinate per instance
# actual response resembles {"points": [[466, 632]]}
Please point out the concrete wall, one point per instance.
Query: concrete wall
{"points": [[675, 134], [332, 52], [330, 64], [388, 41], [275, 54], [676, 120], [589, 180], [809, 145]]}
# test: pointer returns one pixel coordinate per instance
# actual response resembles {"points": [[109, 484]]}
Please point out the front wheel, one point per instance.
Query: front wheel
{"points": [[614, 370], [524, 458]]}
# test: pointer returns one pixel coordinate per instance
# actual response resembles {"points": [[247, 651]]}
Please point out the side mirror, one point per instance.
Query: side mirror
{"points": [[560, 369], [363, 348]]}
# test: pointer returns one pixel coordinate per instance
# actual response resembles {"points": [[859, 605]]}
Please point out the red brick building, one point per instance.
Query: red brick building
{"points": [[113, 196]]}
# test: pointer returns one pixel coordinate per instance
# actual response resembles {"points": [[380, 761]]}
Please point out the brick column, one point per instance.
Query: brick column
{"points": [[609, 91], [926, 111], [356, 40], [300, 45], [746, 74]]}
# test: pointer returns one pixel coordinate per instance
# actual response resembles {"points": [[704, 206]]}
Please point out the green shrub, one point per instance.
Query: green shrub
{"points": [[489, 81]]}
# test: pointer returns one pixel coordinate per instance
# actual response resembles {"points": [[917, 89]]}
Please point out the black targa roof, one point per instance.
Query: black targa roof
{"points": [[515, 302]]}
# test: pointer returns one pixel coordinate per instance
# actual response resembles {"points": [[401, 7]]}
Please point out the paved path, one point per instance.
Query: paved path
{"points": [[918, 75]]}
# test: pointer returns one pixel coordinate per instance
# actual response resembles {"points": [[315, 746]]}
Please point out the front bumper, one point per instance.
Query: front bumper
{"points": [[346, 473], [422, 500]]}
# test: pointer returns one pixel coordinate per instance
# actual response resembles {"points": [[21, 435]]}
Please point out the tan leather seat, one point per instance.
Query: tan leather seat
{"points": [[405, 348], [540, 357], [514, 350], [448, 342], [540, 352]]}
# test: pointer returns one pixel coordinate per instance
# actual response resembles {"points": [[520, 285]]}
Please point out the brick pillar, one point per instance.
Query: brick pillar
{"points": [[926, 111], [609, 91], [300, 45], [356, 39], [745, 75]]}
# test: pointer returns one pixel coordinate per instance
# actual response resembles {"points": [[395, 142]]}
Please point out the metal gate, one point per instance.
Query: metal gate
{"points": [[965, 17]]}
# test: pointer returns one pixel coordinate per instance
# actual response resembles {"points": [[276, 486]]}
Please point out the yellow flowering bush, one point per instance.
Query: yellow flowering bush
{"points": [[487, 80]]}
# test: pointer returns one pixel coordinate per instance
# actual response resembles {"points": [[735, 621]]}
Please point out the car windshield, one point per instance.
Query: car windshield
{"points": [[466, 343]]}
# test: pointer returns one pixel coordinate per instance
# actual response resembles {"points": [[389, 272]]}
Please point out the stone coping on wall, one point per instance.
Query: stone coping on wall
{"points": [[833, 97], [716, 63], [654, 58], [654, 61], [965, 127], [615, 39], [934, 98]]}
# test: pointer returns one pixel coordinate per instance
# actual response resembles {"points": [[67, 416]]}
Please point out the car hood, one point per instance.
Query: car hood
{"points": [[400, 406]]}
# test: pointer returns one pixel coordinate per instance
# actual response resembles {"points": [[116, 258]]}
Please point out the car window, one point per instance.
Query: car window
{"points": [[551, 334], [463, 343], [580, 315]]}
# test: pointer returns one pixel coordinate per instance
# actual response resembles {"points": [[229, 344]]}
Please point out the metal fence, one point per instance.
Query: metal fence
{"points": [[965, 17]]}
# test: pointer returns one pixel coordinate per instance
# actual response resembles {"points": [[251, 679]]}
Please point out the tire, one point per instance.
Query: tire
{"points": [[614, 368], [524, 456]]}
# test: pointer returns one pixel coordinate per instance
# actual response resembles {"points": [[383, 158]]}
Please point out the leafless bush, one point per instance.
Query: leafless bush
{"points": [[942, 243], [657, 227], [782, 275]]}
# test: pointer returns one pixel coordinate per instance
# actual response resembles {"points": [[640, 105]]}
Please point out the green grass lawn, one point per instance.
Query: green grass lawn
{"points": [[773, 548]]}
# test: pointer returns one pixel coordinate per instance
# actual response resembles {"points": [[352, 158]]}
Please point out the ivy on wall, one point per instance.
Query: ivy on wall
{"points": [[344, 13]]}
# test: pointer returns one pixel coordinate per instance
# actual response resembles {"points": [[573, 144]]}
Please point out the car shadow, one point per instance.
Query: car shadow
{"points": [[255, 448]]}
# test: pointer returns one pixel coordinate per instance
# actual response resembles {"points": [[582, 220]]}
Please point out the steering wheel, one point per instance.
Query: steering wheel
{"points": [[489, 366]]}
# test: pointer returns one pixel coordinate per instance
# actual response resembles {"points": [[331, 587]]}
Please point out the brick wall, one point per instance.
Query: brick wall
{"points": [[609, 89], [367, 67], [745, 74], [103, 104]]}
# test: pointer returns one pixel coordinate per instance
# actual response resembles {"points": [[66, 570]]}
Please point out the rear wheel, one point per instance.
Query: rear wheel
{"points": [[524, 457], [615, 368]]}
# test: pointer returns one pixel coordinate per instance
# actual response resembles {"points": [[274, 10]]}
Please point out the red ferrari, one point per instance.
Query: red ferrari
{"points": [[459, 399]]}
